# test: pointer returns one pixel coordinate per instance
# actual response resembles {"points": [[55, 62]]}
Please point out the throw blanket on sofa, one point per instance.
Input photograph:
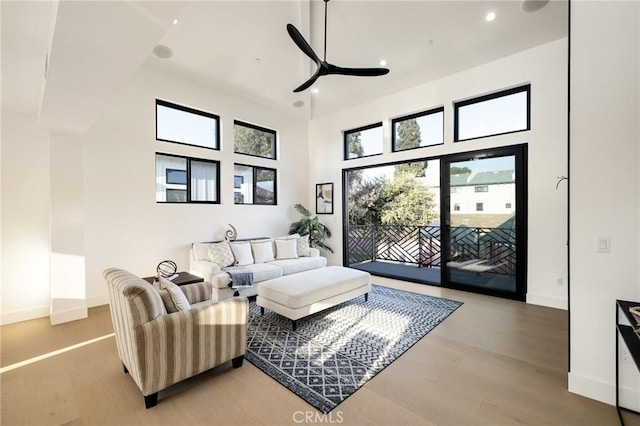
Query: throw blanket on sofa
{"points": [[240, 277]]}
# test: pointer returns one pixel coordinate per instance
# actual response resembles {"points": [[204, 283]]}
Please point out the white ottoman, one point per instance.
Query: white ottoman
{"points": [[298, 295]]}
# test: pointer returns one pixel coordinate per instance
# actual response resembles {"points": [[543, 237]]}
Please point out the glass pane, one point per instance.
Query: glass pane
{"points": [[495, 116], [483, 226], [362, 143], [169, 173], [253, 140], [190, 127], [265, 186], [204, 181], [394, 220], [416, 132], [243, 184]]}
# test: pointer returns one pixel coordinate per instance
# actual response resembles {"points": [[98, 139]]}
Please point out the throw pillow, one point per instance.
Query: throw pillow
{"points": [[200, 251], [178, 298], [167, 301], [262, 251], [242, 253], [302, 245], [220, 254], [165, 283], [286, 249]]}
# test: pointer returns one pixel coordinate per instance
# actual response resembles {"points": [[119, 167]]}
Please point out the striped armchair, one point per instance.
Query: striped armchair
{"points": [[159, 349]]}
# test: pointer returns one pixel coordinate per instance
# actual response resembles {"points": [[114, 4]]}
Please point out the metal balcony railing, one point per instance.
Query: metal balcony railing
{"points": [[492, 248]]}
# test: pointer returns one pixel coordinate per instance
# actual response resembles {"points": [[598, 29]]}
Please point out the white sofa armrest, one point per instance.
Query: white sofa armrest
{"points": [[314, 252], [203, 268]]}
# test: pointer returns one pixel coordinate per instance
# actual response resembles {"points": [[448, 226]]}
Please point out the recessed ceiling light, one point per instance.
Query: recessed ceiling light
{"points": [[298, 104], [175, 21], [162, 51], [429, 42], [258, 60], [490, 16], [532, 5], [314, 90], [383, 63]]}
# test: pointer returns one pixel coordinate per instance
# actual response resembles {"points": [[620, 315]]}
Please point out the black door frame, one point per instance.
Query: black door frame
{"points": [[520, 154]]}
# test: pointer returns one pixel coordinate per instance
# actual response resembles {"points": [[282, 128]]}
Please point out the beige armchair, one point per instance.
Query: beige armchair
{"points": [[159, 349]]}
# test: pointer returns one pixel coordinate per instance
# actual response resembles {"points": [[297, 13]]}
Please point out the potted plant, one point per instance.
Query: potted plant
{"points": [[312, 227]]}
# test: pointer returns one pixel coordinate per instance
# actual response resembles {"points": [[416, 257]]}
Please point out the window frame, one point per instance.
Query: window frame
{"points": [[188, 184], [484, 98], [255, 183], [261, 129], [167, 104], [431, 111], [360, 129]]}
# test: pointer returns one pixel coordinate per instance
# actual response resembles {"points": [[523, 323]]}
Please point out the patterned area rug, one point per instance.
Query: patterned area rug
{"points": [[334, 352]]}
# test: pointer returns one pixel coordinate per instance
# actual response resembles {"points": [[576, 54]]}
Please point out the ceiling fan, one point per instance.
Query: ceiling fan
{"points": [[325, 68]]}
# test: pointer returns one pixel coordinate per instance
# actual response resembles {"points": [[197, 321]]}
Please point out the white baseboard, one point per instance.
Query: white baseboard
{"points": [[592, 388], [550, 302], [24, 315], [92, 302], [65, 310]]}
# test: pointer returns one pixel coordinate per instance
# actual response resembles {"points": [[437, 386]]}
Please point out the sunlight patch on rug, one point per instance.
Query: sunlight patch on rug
{"points": [[336, 351]]}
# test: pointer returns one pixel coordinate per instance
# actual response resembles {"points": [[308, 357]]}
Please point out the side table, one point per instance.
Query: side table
{"points": [[182, 279]]}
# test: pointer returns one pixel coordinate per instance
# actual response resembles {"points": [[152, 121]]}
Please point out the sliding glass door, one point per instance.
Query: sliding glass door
{"points": [[484, 217]]}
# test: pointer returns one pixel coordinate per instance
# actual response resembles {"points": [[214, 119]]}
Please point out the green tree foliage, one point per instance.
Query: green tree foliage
{"points": [[354, 145], [459, 170], [408, 136], [310, 225], [407, 202], [365, 199], [252, 141]]}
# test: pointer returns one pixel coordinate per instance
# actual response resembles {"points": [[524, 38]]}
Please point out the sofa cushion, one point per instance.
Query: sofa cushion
{"points": [[220, 254], [262, 251], [286, 249], [200, 251], [292, 266], [242, 253]]}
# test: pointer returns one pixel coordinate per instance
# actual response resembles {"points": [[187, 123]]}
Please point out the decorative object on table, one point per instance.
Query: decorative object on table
{"points": [[324, 198], [312, 227], [635, 312], [231, 234], [166, 269], [335, 351]]}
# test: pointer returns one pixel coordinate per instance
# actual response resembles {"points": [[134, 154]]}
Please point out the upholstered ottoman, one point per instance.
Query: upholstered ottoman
{"points": [[298, 295]]}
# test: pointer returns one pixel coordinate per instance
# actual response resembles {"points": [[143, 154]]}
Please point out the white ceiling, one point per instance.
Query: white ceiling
{"points": [[243, 47]]}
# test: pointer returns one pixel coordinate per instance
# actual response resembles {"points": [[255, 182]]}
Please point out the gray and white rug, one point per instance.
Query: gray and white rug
{"points": [[334, 352]]}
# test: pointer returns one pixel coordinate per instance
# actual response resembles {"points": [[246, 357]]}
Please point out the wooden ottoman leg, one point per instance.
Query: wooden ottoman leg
{"points": [[366, 297], [151, 400], [294, 325], [237, 362], [261, 310]]}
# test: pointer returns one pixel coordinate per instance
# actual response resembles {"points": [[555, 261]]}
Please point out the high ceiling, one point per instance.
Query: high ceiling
{"points": [[243, 46]]}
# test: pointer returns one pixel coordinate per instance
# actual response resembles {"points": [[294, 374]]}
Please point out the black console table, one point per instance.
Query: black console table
{"points": [[631, 341]]}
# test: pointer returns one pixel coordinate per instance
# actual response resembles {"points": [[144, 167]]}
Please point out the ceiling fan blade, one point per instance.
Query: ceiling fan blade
{"points": [[302, 43], [308, 83], [359, 72]]}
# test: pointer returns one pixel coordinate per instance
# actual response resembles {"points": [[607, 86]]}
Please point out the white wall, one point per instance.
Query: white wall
{"points": [[545, 67], [605, 188], [126, 228], [25, 219]]}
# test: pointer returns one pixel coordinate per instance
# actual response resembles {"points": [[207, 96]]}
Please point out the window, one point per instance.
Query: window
{"points": [[507, 205], [479, 207], [498, 113], [181, 124], [186, 180], [481, 188], [254, 140], [363, 141], [418, 130], [257, 185], [456, 207]]}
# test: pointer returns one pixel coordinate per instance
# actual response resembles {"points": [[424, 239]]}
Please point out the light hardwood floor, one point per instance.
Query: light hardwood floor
{"points": [[492, 362]]}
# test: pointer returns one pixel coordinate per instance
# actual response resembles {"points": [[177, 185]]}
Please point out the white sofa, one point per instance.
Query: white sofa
{"points": [[210, 268]]}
